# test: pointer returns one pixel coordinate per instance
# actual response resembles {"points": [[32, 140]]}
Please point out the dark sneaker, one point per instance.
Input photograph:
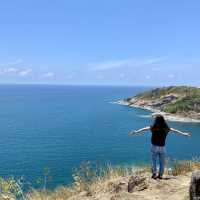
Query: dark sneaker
{"points": [[154, 176], [160, 176]]}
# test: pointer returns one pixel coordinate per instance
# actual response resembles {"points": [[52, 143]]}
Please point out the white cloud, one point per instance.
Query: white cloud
{"points": [[155, 60], [70, 76], [11, 70], [24, 72], [110, 64], [15, 62], [49, 74], [15, 71], [171, 76], [100, 77], [107, 65], [148, 77], [121, 75]]}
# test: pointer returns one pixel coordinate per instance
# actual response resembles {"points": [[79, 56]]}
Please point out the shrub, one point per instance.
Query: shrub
{"points": [[11, 188], [183, 167]]}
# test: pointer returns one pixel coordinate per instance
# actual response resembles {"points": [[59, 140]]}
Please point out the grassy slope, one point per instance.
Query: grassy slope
{"points": [[96, 183]]}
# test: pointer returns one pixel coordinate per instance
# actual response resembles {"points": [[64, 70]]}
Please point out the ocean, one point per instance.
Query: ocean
{"points": [[59, 127]]}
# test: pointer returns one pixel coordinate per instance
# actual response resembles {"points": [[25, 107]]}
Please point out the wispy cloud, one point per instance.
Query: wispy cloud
{"points": [[15, 71], [9, 70], [13, 68], [24, 72], [171, 76], [122, 75], [155, 60], [11, 63], [148, 76], [110, 64], [70, 76], [100, 77], [49, 74], [107, 65]]}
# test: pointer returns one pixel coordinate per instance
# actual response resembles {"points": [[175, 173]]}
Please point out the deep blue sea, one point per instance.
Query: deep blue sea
{"points": [[60, 127]]}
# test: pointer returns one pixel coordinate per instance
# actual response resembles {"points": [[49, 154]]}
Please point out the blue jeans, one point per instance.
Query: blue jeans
{"points": [[158, 153]]}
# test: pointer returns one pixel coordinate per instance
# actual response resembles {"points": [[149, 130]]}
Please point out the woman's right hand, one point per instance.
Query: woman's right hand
{"points": [[188, 134]]}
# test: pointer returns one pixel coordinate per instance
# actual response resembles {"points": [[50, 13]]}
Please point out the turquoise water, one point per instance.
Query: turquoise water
{"points": [[61, 126]]}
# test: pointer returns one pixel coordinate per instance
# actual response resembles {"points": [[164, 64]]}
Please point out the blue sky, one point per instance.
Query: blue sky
{"points": [[103, 42]]}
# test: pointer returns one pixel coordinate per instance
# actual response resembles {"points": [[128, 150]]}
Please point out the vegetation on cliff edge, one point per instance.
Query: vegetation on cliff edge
{"points": [[188, 98], [89, 180]]}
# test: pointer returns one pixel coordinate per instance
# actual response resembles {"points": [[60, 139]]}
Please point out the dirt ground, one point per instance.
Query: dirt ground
{"points": [[169, 188]]}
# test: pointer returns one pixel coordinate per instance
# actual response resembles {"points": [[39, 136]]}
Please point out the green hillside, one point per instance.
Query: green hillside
{"points": [[187, 98]]}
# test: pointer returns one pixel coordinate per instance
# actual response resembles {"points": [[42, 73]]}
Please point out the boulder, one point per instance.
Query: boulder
{"points": [[195, 186], [137, 183]]}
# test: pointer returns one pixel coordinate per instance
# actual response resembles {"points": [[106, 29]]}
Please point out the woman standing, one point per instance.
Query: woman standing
{"points": [[159, 130]]}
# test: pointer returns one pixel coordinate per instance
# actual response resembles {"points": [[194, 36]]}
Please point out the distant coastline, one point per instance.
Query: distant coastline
{"points": [[176, 100], [169, 117]]}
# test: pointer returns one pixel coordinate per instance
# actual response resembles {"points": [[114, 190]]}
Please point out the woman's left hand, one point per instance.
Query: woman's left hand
{"points": [[132, 133]]}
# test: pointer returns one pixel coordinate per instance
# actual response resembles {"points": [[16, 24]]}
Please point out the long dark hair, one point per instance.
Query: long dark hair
{"points": [[160, 124]]}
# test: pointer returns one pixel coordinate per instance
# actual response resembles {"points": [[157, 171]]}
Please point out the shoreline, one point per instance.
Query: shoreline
{"points": [[167, 116]]}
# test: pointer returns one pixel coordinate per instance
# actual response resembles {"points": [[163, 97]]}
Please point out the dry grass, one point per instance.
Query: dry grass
{"points": [[60, 193], [89, 179], [11, 189], [183, 167]]}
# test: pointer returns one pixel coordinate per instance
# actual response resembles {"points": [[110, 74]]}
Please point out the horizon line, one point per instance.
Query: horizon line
{"points": [[63, 84], [95, 85]]}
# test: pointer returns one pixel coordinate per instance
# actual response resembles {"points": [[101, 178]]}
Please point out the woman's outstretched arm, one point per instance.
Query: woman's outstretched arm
{"points": [[140, 131], [180, 132]]}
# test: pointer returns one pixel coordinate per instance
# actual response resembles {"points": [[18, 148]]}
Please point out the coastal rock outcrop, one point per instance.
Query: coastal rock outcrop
{"points": [[176, 103]]}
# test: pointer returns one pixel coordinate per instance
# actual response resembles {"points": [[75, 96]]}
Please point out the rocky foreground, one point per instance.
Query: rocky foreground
{"points": [[145, 188]]}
